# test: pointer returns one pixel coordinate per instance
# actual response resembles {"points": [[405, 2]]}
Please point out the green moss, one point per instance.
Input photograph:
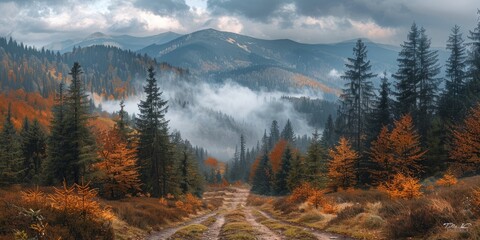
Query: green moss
{"points": [[193, 232]]}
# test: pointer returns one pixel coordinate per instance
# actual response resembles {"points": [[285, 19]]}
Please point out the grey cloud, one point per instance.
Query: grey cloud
{"points": [[254, 9], [163, 7]]}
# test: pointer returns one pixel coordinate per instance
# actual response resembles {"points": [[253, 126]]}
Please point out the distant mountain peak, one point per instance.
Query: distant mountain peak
{"points": [[97, 35]]}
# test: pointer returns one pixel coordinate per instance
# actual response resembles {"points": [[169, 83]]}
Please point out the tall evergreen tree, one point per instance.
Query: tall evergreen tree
{"points": [[262, 178], [329, 136], [55, 168], [452, 103], [281, 184], [407, 74], [11, 164], [154, 153], [274, 134], [79, 142], [473, 62], [34, 150], [243, 160], [287, 132], [357, 96], [381, 114], [316, 167]]}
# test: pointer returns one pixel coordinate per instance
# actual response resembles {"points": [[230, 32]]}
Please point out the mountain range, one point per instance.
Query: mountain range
{"points": [[259, 64]]}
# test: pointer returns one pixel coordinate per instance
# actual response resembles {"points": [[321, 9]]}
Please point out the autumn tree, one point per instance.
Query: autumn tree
{"points": [[276, 155], [447, 180], [465, 149], [118, 165], [154, 148], [397, 151], [341, 169], [403, 187]]}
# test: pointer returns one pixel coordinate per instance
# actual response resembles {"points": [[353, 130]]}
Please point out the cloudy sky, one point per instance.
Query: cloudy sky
{"points": [[40, 22]]}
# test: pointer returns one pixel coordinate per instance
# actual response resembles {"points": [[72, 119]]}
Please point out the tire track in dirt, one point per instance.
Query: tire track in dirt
{"points": [[321, 235]]}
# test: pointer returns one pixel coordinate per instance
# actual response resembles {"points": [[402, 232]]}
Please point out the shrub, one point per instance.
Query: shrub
{"points": [[447, 180], [403, 187], [301, 193], [374, 222], [316, 198]]}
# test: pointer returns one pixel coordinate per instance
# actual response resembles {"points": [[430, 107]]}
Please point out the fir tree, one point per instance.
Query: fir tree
{"points": [[262, 177], [452, 103], [274, 134], [316, 163], [473, 63], [281, 184], [329, 136], [154, 153], [79, 142], [287, 132], [297, 173], [381, 114], [11, 164], [34, 150]]}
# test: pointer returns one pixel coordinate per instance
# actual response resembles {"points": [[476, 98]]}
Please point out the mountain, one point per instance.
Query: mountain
{"points": [[259, 63], [121, 41]]}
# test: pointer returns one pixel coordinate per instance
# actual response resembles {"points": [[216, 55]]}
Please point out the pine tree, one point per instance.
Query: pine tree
{"points": [[242, 159], [473, 62], [55, 168], [452, 102], [79, 142], [341, 169], [427, 86], [281, 184], [316, 166], [154, 150], [121, 123], [407, 74], [11, 161], [189, 176], [262, 177], [329, 137], [357, 95], [118, 165], [287, 132], [274, 134], [34, 150], [381, 115]]}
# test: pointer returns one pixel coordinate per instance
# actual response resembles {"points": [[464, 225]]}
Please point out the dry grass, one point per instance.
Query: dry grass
{"points": [[236, 227], [191, 232]]}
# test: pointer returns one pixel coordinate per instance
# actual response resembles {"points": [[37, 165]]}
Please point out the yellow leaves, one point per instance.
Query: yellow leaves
{"points": [[466, 143], [402, 187], [341, 169], [447, 180], [397, 151]]}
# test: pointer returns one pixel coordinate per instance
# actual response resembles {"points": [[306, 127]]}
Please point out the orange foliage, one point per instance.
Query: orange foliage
{"points": [[403, 187], [341, 169], [447, 180], [190, 203], [397, 152], [253, 168], [276, 155], [30, 105], [118, 165], [34, 197], [466, 143], [301, 193], [316, 198], [212, 162]]}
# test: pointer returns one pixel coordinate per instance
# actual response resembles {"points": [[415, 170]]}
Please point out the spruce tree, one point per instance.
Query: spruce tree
{"points": [[287, 132], [34, 150], [242, 159], [274, 134], [452, 103], [473, 63], [154, 150], [262, 177], [381, 114], [316, 163], [11, 161], [79, 142], [329, 136], [281, 184]]}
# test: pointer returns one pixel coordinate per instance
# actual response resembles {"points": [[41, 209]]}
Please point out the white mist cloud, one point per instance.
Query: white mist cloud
{"points": [[215, 115]]}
